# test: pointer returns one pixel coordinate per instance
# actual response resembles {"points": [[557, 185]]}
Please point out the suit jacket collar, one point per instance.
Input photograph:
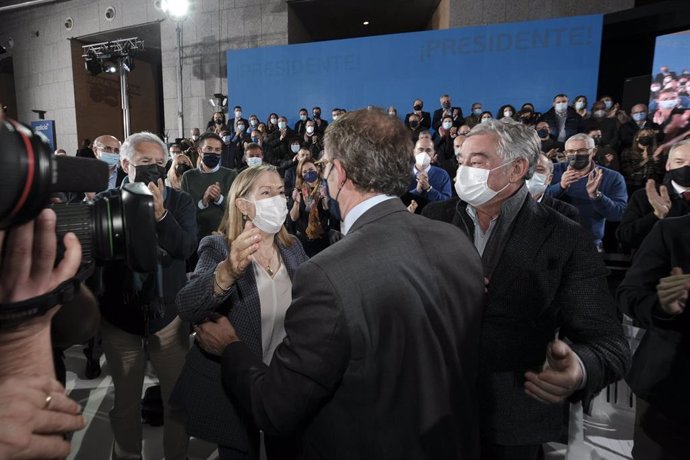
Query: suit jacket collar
{"points": [[377, 212], [530, 228]]}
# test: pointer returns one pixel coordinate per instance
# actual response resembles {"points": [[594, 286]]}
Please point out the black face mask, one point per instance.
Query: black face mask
{"points": [[219, 122], [681, 176], [597, 140], [414, 124], [645, 141], [182, 168], [543, 133], [317, 114], [417, 107], [149, 173], [578, 162]]}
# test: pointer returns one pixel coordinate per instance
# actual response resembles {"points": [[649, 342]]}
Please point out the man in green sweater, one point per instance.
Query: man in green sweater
{"points": [[208, 184]]}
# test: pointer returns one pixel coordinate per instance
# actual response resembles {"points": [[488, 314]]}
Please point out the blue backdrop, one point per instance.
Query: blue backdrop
{"points": [[497, 64], [672, 50]]}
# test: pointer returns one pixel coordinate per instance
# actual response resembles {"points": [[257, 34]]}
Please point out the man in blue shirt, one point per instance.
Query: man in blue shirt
{"points": [[429, 183], [597, 192]]}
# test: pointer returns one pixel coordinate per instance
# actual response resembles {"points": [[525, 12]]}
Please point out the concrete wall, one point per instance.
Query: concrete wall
{"points": [[43, 66], [42, 58], [473, 13]]}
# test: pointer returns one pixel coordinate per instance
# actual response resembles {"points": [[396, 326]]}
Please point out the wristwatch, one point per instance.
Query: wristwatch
{"points": [[597, 196]]}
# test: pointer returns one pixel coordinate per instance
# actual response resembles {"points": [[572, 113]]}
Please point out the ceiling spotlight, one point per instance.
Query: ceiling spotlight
{"points": [[176, 9], [109, 67], [365, 23]]}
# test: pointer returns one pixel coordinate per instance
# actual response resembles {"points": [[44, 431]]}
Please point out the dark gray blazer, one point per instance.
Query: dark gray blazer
{"points": [[211, 414], [380, 358], [548, 278]]}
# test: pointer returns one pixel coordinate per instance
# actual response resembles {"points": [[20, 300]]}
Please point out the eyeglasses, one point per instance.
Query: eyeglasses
{"points": [[109, 149], [577, 152]]}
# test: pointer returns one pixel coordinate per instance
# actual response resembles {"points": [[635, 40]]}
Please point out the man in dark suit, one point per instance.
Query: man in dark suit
{"points": [[424, 118], [544, 279], [380, 356], [563, 120], [447, 110], [137, 325], [654, 293], [651, 204]]}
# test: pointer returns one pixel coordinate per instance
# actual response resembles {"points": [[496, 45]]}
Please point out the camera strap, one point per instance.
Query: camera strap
{"points": [[14, 313]]}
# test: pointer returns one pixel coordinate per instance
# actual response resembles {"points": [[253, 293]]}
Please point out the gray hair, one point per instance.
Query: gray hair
{"points": [[513, 141], [678, 145], [129, 146], [374, 149], [582, 137]]}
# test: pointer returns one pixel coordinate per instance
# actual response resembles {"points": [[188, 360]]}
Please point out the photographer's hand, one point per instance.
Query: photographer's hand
{"points": [[34, 413], [27, 270]]}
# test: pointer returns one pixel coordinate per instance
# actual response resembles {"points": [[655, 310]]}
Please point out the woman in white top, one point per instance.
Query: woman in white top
{"points": [[245, 272]]}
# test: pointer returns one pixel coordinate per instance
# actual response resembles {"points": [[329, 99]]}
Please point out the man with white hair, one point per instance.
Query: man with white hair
{"points": [[544, 279], [138, 325], [598, 192]]}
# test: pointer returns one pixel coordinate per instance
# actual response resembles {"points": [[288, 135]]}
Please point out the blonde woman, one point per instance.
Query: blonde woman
{"points": [[179, 165], [244, 272], [308, 208]]}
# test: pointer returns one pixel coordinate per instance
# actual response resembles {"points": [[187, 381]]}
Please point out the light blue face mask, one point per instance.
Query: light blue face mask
{"points": [[111, 159]]}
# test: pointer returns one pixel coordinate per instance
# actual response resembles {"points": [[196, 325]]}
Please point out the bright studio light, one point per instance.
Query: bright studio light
{"points": [[176, 9]]}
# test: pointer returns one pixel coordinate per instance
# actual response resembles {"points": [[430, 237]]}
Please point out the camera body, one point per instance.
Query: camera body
{"points": [[118, 225], [105, 226]]}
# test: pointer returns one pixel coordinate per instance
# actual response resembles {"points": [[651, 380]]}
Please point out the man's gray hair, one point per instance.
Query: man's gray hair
{"points": [[582, 137], [374, 149], [129, 146], [678, 145], [513, 141]]}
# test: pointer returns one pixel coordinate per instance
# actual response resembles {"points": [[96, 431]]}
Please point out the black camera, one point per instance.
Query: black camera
{"points": [[105, 227]]}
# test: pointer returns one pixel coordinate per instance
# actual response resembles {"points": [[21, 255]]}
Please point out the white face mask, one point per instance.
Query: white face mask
{"points": [[471, 184], [254, 161], [274, 121], [294, 148], [112, 159], [270, 214], [507, 113], [561, 106], [669, 104], [238, 114], [447, 125], [282, 125], [422, 159], [310, 129], [537, 184], [579, 105]]}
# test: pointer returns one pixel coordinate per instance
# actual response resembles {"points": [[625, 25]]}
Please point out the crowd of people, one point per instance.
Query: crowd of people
{"points": [[424, 287]]}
